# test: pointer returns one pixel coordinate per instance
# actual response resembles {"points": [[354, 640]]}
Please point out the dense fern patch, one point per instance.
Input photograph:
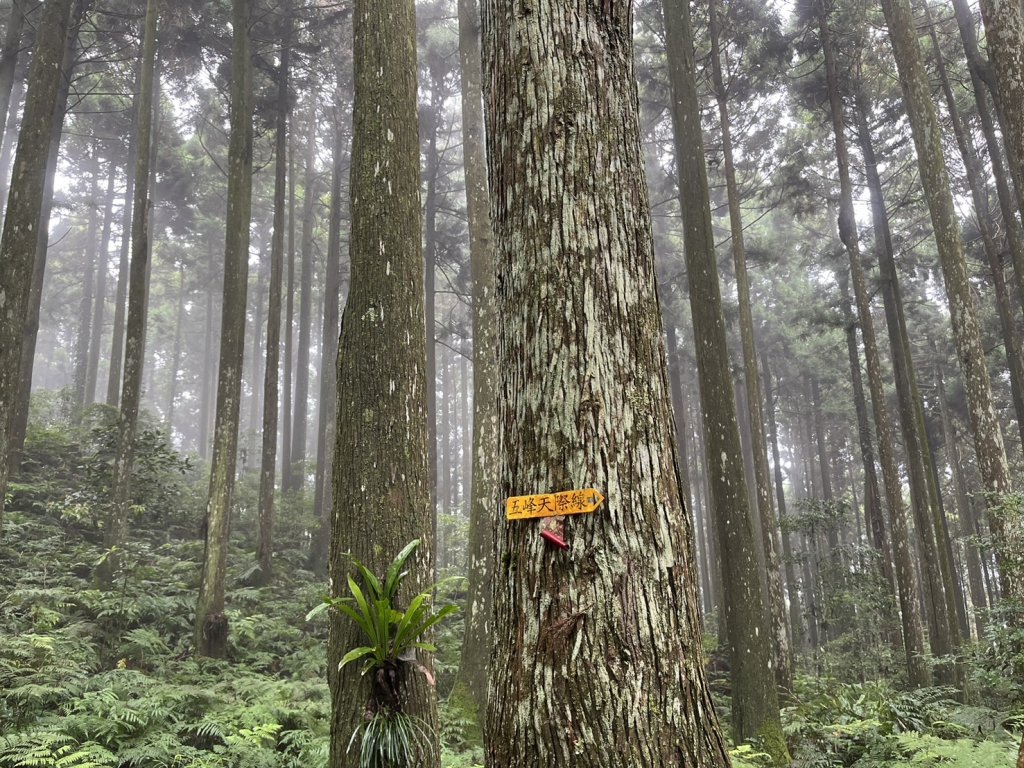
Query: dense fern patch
{"points": [[107, 678]]}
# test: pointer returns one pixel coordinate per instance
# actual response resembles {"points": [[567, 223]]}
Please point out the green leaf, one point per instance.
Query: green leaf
{"points": [[356, 654], [394, 575]]}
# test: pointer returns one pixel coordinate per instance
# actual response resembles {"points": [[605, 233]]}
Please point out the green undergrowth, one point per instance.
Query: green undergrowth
{"points": [[106, 678]]}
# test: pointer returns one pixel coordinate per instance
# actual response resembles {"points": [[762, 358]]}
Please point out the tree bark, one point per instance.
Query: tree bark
{"points": [[83, 333], [381, 496], [19, 238], [781, 654], [473, 663], [988, 437], [755, 710], [297, 470], [116, 530], [211, 625], [100, 292], [8, 65], [583, 402], [271, 399]]}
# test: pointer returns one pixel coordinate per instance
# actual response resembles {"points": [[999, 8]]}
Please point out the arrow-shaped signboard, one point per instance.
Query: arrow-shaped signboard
{"points": [[552, 504]]}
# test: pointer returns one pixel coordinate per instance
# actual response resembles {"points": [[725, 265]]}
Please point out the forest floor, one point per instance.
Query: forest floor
{"points": [[106, 678]]}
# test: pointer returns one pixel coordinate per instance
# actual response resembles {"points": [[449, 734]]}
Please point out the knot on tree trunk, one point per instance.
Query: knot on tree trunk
{"points": [[847, 228]]}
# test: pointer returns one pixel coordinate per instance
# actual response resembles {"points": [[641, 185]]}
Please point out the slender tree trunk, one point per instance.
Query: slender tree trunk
{"points": [[268, 453], [211, 627], [381, 495], [100, 292], [988, 438], [205, 395], [792, 586], [430, 272], [9, 60], [18, 241], [10, 135], [755, 709], [473, 662], [298, 453], [913, 640], [328, 411], [116, 530], [172, 380], [289, 330], [781, 655], [980, 71], [83, 334], [121, 293]]}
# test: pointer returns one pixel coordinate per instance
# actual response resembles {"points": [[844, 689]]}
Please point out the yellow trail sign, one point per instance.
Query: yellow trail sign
{"points": [[552, 504]]}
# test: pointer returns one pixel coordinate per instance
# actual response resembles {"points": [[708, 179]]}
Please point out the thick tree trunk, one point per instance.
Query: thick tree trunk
{"points": [[19, 238], [755, 710], [381, 496], [116, 530], [988, 438], [268, 452], [211, 624], [583, 402]]}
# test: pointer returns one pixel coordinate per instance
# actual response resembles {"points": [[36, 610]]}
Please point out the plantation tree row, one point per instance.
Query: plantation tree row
{"points": [[754, 273]]}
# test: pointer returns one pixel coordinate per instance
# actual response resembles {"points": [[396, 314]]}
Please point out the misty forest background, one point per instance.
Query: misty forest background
{"points": [[834, 192]]}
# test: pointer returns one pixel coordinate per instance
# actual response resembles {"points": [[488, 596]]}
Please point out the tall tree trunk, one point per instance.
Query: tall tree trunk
{"points": [[116, 530], [872, 497], [581, 319], [381, 496], [299, 423], [19, 424], [18, 241], [100, 292], [1004, 34], [473, 661], [980, 71], [121, 292], [430, 173], [328, 410], [211, 627], [781, 656], [755, 709], [289, 330], [792, 585], [268, 452], [980, 197], [9, 62], [172, 379], [988, 437], [83, 333], [913, 640]]}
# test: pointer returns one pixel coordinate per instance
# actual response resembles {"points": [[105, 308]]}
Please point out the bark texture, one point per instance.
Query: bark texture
{"points": [[755, 709], [985, 429], [18, 241], [484, 491], [381, 497], [211, 627], [138, 279], [599, 662]]}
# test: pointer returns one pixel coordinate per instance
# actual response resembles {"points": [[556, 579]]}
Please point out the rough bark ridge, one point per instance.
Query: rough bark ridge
{"points": [[381, 498], [988, 437], [211, 624], [17, 244], [599, 662], [484, 494]]}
